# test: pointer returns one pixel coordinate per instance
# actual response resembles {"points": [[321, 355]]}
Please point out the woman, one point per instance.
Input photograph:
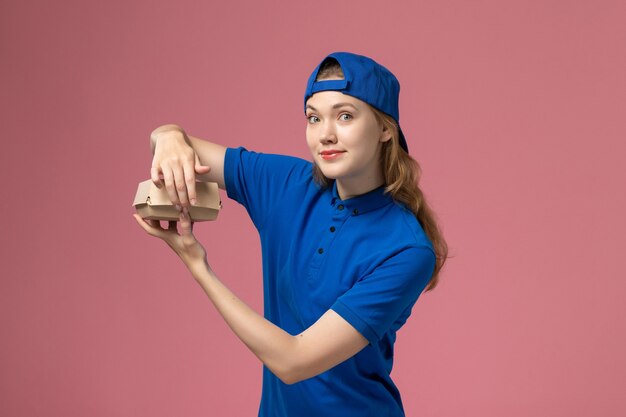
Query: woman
{"points": [[348, 241]]}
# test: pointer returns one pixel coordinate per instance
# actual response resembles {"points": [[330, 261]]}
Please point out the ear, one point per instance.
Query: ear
{"points": [[385, 135]]}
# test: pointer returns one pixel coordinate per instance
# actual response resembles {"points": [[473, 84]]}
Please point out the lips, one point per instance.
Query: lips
{"points": [[331, 154]]}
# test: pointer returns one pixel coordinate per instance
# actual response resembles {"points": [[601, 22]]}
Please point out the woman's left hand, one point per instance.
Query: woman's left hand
{"points": [[185, 244]]}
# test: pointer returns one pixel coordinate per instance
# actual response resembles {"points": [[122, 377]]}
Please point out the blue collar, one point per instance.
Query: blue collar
{"points": [[363, 203]]}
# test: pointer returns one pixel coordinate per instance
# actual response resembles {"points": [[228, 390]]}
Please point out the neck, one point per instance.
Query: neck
{"points": [[348, 188]]}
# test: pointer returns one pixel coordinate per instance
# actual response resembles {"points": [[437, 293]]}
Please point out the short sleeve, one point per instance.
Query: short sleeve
{"points": [[258, 181], [378, 300]]}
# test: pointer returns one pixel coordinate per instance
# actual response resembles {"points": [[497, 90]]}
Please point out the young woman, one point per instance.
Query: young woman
{"points": [[349, 242]]}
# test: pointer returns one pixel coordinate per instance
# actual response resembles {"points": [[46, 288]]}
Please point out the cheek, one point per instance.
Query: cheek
{"points": [[310, 141], [361, 137]]}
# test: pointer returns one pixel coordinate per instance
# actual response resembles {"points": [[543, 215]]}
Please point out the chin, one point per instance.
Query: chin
{"points": [[331, 174]]}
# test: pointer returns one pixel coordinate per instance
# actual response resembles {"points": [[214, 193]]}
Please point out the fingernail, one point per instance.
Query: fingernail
{"points": [[178, 207], [193, 201]]}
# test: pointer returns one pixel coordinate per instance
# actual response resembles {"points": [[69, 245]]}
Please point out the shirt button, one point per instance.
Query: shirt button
{"points": [[355, 212], [340, 207], [320, 251], [332, 229]]}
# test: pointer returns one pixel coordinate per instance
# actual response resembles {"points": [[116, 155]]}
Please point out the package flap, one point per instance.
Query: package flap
{"points": [[154, 203]]}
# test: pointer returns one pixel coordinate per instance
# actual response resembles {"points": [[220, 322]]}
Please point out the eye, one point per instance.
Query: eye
{"points": [[345, 116], [312, 119]]}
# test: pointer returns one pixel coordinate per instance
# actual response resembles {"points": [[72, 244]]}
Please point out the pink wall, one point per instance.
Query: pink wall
{"points": [[515, 110]]}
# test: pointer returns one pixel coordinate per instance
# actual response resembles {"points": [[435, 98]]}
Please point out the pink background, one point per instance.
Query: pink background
{"points": [[515, 110]]}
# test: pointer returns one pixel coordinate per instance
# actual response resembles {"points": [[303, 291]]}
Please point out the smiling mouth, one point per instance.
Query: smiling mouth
{"points": [[332, 154]]}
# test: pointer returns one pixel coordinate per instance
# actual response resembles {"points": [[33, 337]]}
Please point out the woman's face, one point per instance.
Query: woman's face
{"points": [[345, 140]]}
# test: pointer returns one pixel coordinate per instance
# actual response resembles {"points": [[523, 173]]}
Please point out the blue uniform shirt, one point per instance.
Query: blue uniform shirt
{"points": [[367, 258]]}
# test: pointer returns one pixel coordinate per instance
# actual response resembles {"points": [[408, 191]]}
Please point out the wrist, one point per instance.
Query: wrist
{"points": [[205, 277], [200, 270], [167, 132], [167, 128]]}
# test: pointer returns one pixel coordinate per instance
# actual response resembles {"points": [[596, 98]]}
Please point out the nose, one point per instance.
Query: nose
{"points": [[327, 133]]}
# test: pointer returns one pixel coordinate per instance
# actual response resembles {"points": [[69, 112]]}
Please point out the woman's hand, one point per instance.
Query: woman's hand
{"points": [[177, 163], [185, 244]]}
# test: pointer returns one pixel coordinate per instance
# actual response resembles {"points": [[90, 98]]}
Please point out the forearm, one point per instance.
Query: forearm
{"points": [[271, 344], [321, 346]]}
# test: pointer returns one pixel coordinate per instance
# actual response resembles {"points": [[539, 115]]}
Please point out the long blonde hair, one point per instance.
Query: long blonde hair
{"points": [[402, 174]]}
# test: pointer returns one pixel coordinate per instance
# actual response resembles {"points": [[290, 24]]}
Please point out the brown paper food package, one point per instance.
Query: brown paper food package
{"points": [[153, 203]]}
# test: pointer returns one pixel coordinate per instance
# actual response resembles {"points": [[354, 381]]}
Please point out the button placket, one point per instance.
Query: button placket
{"points": [[336, 220]]}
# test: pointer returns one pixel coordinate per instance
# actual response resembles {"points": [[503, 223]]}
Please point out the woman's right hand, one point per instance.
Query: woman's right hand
{"points": [[175, 165]]}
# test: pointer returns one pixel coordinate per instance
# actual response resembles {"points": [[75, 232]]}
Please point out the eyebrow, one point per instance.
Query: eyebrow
{"points": [[335, 106]]}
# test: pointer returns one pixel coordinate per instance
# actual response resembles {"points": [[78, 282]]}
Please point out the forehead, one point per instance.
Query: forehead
{"points": [[323, 99]]}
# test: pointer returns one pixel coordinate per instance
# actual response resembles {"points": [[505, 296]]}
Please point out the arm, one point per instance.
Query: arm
{"points": [[180, 159], [328, 342], [292, 358]]}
